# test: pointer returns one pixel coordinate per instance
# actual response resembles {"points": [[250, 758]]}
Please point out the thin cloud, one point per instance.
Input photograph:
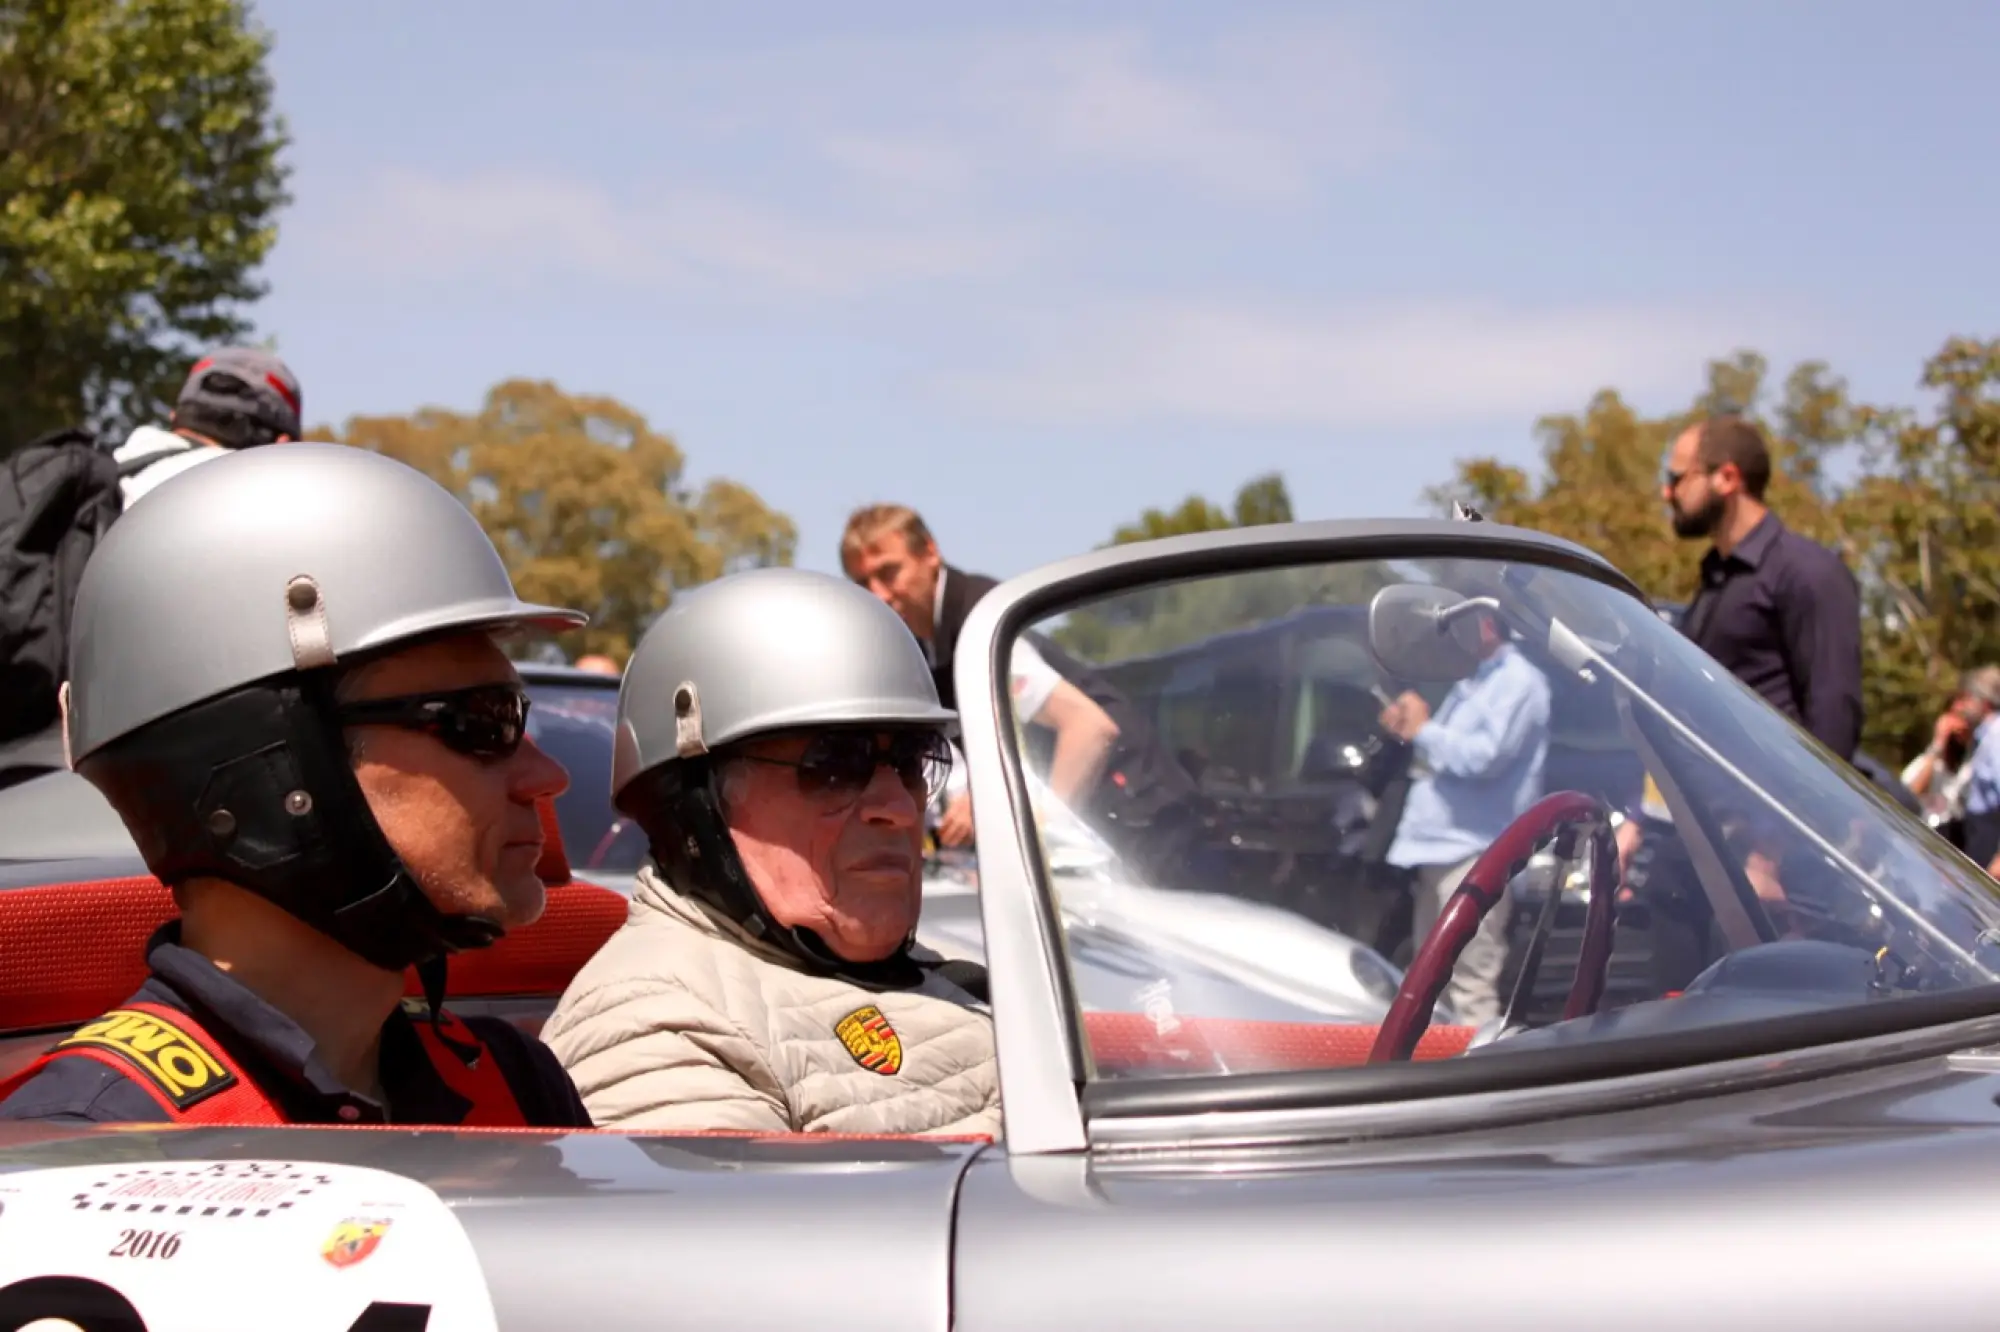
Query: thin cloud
{"points": [[841, 168], [1262, 113], [901, 162], [1258, 116], [1382, 366], [409, 224]]}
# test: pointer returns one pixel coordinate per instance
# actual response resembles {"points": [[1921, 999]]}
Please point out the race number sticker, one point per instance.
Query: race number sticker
{"points": [[230, 1246]]}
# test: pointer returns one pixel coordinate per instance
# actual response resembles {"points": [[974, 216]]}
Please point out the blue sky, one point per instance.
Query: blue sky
{"points": [[1034, 268]]}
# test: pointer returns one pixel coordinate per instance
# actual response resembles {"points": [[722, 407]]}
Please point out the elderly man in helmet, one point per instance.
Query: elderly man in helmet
{"points": [[778, 739], [317, 743]]}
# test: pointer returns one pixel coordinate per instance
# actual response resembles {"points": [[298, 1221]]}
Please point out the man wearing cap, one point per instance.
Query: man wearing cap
{"points": [[1942, 775], [320, 747], [778, 738], [1478, 764], [234, 398]]}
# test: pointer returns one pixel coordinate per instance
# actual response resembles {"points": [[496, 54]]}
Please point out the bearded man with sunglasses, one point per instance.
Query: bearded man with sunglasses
{"points": [[778, 739], [316, 742], [1780, 611]]}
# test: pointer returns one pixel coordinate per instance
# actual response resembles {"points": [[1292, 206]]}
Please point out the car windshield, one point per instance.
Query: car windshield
{"points": [[1522, 784]]}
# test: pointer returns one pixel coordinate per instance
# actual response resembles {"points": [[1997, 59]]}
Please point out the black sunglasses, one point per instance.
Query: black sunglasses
{"points": [[485, 721], [843, 763], [1674, 479]]}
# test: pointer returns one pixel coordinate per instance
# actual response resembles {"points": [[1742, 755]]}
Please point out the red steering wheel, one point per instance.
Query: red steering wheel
{"points": [[1430, 970]]}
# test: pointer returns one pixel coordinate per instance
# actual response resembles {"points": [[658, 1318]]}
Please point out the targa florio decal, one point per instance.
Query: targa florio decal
{"points": [[231, 1246]]}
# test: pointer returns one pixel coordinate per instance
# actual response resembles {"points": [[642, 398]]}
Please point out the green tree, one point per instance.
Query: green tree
{"points": [[139, 183], [1912, 501], [1144, 621], [1601, 471], [1922, 517], [1262, 499], [587, 503]]}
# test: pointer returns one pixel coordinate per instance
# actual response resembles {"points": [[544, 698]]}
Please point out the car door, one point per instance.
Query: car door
{"points": [[1059, 1217]]}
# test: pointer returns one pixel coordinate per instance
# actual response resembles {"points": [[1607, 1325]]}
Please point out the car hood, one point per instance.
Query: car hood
{"points": [[570, 1230]]}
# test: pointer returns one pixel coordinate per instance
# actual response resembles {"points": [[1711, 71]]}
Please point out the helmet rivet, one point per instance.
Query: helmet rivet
{"points": [[298, 802], [302, 594], [683, 700], [221, 823]]}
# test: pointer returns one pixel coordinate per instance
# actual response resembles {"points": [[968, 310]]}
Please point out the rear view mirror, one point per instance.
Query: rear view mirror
{"points": [[1425, 633]]}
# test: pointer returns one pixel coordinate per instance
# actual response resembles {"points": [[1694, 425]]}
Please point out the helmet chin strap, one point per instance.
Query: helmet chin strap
{"points": [[695, 850], [897, 971], [256, 788]]}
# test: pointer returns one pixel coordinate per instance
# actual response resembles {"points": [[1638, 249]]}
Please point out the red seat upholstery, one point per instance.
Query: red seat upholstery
{"points": [[69, 951], [1125, 1043], [541, 959]]}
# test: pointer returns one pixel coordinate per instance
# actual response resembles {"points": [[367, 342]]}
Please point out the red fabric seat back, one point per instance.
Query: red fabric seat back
{"points": [[69, 951]]}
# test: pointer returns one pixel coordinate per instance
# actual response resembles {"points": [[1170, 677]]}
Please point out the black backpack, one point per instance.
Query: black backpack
{"points": [[59, 495]]}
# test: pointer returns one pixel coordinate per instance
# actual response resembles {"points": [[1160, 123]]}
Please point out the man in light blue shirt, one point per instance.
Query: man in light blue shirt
{"points": [[1479, 766], [1982, 795]]}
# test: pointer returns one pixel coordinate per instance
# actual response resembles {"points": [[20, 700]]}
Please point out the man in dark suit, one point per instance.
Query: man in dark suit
{"points": [[1107, 764], [1775, 607]]}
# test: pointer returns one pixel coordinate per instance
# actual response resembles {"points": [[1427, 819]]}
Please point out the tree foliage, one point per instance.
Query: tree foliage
{"points": [[1911, 498], [587, 503], [1149, 620], [1262, 499], [139, 183]]}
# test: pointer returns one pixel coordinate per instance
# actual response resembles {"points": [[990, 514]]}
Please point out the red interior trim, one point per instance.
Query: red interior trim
{"points": [[553, 867], [749, 1135], [73, 950], [1125, 1043], [543, 958]]}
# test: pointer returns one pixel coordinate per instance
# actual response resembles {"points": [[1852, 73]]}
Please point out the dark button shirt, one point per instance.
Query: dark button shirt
{"points": [[1783, 615], [278, 1055]]}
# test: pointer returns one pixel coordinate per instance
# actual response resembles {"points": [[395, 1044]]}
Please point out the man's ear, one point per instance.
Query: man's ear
{"points": [[62, 706]]}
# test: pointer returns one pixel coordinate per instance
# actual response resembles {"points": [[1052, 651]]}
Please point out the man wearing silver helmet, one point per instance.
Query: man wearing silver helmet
{"points": [[284, 678], [778, 739]]}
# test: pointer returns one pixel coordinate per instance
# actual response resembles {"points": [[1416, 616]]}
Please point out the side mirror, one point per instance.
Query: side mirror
{"points": [[1425, 633]]}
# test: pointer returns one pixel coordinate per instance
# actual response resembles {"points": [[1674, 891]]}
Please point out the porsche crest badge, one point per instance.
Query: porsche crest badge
{"points": [[871, 1040], [353, 1240]]}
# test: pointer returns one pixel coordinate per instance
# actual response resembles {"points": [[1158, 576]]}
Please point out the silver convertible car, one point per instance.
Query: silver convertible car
{"points": [[1783, 1122]]}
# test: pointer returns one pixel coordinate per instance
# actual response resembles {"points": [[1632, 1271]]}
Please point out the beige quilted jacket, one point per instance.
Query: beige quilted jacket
{"points": [[682, 1021]]}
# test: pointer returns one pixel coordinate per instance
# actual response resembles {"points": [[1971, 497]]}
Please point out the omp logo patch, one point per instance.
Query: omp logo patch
{"points": [[871, 1040], [161, 1053]]}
